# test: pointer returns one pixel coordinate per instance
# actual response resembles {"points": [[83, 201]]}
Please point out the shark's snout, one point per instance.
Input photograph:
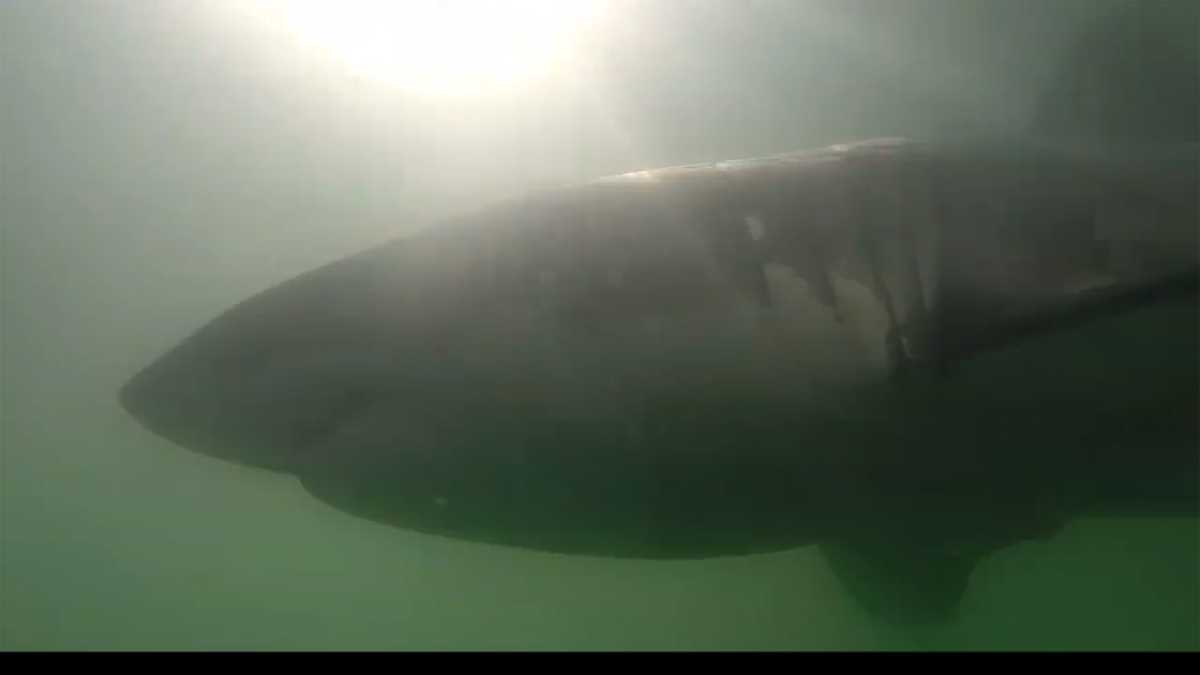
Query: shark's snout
{"points": [[260, 410], [162, 405], [134, 394]]}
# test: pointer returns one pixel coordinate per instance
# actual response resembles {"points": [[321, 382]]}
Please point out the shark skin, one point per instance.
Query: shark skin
{"points": [[909, 354]]}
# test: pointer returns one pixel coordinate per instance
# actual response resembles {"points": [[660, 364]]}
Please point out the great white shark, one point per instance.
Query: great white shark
{"points": [[910, 354]]}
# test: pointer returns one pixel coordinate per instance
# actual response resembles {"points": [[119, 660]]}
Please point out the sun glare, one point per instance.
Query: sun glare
{"points": [[441, 46]]}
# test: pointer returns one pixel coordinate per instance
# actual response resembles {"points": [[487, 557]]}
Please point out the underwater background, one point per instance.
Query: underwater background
{"points": [[160, 161]]}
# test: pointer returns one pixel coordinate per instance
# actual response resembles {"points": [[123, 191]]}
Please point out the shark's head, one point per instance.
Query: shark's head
{"points": [[262, 408], [263, 382], [482, 389], [192, 394]]}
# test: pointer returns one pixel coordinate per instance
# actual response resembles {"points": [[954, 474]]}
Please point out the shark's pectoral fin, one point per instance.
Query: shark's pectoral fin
{"points": [[903, 584], [357, 492], [365, 466]]}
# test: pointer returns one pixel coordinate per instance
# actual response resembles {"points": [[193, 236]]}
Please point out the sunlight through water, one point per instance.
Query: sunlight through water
{"points": [[441, 47]]}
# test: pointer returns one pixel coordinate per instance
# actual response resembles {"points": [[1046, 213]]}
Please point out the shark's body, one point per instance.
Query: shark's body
{"points": [[912, 355]]}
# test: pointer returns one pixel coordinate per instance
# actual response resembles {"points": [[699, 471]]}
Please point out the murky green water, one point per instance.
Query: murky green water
{"points": [[162, 161]]}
